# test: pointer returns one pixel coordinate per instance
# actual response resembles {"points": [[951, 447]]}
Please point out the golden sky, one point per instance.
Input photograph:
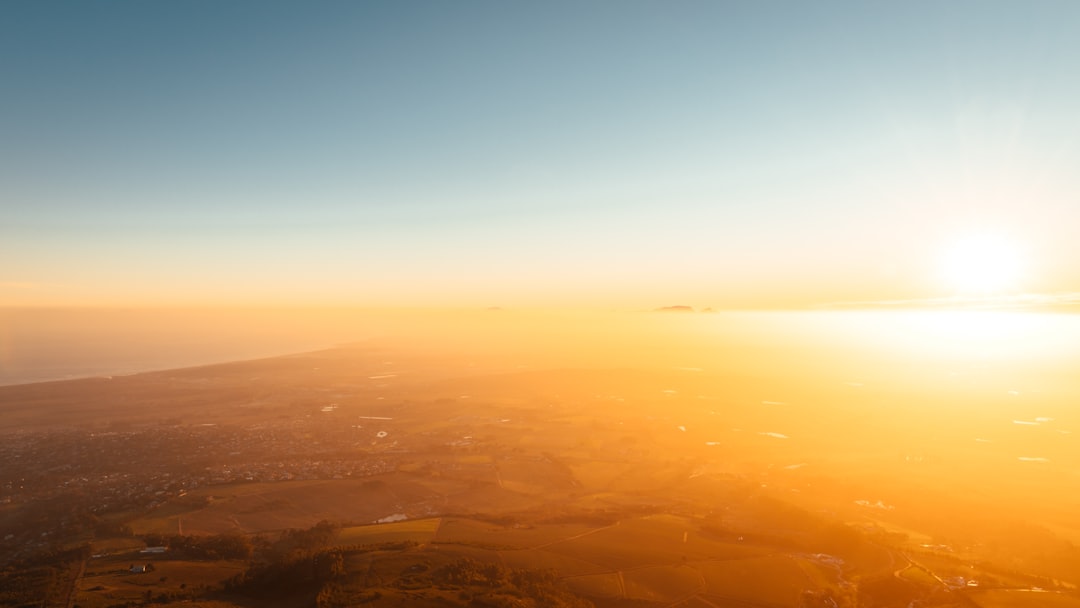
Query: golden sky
{"points": [[615, 155]]}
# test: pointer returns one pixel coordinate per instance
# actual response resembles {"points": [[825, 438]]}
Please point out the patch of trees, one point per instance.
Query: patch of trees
{"points": [[298, 572], [463, 582], [338, 596], [497, 586], [41, 579], [299, 561], [316, 537], [163, 597], [27, 587], [300, 564], [219, 546]]}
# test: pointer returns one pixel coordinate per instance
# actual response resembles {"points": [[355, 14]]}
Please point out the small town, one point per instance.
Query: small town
{"points": [[73, 478]]}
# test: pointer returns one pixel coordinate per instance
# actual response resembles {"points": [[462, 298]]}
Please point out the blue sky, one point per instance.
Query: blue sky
{"points": [[621, 153]]}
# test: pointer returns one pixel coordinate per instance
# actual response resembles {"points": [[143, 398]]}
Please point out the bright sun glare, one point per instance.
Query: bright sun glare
{"points": [[981, 265]]}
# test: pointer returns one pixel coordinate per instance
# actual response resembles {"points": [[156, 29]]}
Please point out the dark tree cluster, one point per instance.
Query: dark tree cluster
{"points": [[501, 586], [300, 571], [219, 546], [41, 579]]}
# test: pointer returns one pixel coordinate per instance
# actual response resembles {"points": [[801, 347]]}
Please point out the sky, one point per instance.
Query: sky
{"points": [[614, 154]]}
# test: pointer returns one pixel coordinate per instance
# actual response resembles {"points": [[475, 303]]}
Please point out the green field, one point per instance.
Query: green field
{"points": [[417, 530]]}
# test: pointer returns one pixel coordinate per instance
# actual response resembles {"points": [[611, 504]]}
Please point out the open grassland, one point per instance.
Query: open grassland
{"points": [[820, 575], [473, 458], [487, 498], [615, 550], [108, 581], [599, 474], [534, 476], [696, 602], [647, 541], [662, 583], [564, 565], [480, 554], [259, 507], [918, 576], [107, 546], [419, 530], [1012, 598], [901, 535], [950, 566], [774, 580], [521, 536], [598, 585]]}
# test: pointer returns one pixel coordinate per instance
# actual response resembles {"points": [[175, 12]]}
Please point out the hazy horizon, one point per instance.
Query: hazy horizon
{"points": [[56, 344]]}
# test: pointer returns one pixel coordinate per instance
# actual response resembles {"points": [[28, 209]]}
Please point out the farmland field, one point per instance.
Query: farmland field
{"points": [[660, 540], [565, 565], [774, 580], [663, 583], [108, 581], [519, 536], [419, 530], [257, 507], [1003, 598], [598, 585]]}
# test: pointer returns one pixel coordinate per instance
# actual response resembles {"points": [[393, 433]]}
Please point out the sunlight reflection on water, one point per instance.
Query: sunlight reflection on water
{"points": [[913, 335]]}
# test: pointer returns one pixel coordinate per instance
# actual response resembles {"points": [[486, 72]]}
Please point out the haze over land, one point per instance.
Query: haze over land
{"points": [[848, 458]]}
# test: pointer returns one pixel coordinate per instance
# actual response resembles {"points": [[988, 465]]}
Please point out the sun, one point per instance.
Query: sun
{"points": [[981, 265]]}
